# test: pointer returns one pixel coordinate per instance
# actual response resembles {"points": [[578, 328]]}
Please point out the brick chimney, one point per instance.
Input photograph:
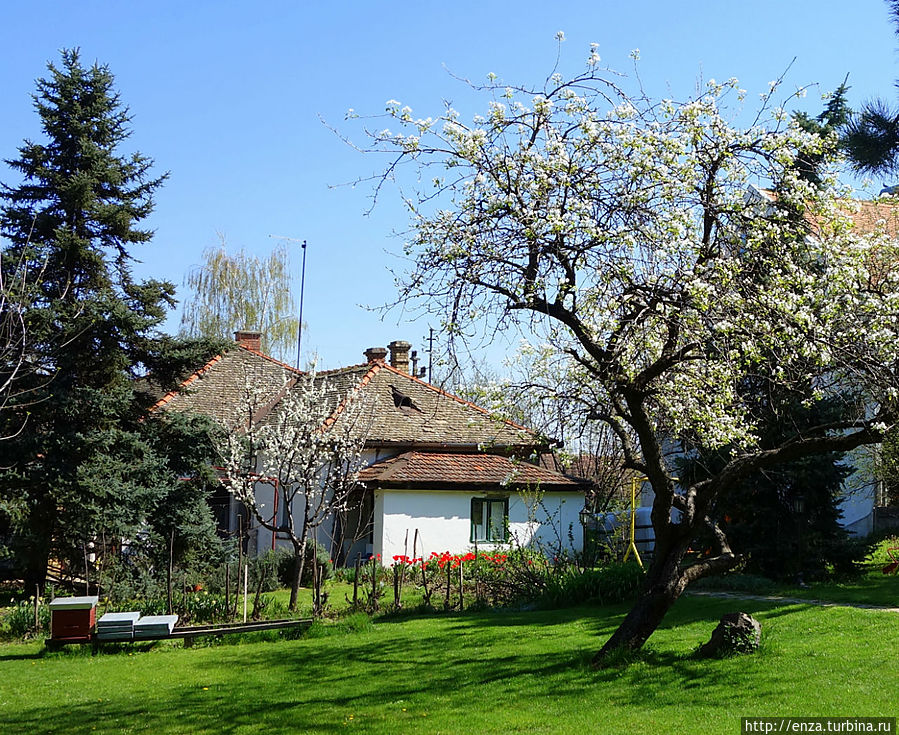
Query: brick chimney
{"points": [[399, 355], [250, 340], [375, 354]]}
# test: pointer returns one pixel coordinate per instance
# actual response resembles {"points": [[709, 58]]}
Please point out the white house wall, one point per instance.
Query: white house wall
{"points": [[443, 521]]}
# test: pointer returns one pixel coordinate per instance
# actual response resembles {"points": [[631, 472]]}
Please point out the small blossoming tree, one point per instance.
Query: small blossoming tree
{"points": [[625, 239], [293, 461]]}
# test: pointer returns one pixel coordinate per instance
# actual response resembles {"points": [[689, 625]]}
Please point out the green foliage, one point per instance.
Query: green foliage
{"points": [[785, 519], [357, 622], [871, 138], [18, 621], [91, 467], [827, 125], [888, 466], [740, 641], [617, 582], [190, 607], [314, 550]]}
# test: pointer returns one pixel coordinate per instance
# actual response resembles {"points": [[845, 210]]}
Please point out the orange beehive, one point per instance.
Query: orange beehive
{"points": [[73, 618]]}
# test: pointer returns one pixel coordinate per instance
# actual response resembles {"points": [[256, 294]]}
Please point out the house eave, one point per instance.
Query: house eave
{"points": [[466, 448], [493, 487]]}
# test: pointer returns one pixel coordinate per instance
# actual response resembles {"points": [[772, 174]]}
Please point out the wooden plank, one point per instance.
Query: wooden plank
{"points": [[188, 633]]}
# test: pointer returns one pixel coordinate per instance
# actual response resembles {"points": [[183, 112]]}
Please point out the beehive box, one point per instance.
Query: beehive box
{"points": [[73, 618]]}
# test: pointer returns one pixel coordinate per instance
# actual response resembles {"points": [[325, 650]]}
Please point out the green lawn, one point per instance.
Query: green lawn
{"points": [[493, 672], [871, 587]]}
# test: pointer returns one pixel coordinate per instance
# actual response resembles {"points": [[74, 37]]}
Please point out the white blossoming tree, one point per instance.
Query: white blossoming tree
{"points": [[623, 237], [304, 446]]}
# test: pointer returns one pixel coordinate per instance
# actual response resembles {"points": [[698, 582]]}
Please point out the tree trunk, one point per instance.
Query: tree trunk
{"points": [[641, 622], [664, 584], [35, 548], [299, 550], [36, 564]]}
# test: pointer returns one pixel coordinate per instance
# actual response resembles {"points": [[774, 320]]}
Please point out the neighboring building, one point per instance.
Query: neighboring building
{"points": [[441, 472]]}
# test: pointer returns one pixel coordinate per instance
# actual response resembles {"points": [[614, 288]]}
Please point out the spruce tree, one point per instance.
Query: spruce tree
{"points": [[871, 137], [80, 466]]}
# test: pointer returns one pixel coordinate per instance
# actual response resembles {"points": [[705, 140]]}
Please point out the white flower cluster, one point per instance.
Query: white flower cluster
{"points": [[628, 224]]}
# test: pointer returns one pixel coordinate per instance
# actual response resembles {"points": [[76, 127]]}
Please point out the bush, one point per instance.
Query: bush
{"points": [[355, 623], [19, 620], [616, 582], [313, 550], [193, 607]]}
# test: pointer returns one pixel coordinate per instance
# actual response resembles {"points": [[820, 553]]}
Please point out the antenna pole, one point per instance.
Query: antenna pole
{"points": [[302, 292], [431, 355]]}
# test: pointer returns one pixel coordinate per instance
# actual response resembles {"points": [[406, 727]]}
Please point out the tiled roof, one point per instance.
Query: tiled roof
{"points": [[876, 216], [410, 412], [436, 470], [406, 411], [867, 215], [217, 388]]}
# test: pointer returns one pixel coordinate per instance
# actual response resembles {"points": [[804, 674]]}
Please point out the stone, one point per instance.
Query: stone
{"points": [[736, 633]]}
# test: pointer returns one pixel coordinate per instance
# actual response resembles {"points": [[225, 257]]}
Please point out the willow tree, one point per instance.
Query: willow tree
{"points": [[626, 238], [242, 291]]}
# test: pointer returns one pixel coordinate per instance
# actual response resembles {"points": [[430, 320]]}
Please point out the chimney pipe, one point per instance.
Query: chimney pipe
{"points": [[249, 340], [399, 355], [375, 354]]}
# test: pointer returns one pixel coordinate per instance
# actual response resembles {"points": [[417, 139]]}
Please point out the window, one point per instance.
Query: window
{"points": [[489, 519]]}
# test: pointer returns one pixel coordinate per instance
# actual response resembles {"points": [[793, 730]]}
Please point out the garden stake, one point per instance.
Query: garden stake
{"points": [[356, 579], [424, 584], [449, 570], [396, 587], [37, 601], [257, 599], [315, 582], [374, 584], [228, 590], [477, 574], [461, 593], [239, 564], [403, 569]]}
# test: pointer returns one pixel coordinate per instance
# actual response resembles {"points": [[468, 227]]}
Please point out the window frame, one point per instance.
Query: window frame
{"points": [[487, 520]]}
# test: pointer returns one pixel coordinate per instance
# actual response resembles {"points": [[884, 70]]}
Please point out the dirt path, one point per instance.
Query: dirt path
{"points": [[788, 600]]}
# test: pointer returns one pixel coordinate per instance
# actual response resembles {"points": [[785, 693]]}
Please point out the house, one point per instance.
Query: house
{"points": [[441, 473]]}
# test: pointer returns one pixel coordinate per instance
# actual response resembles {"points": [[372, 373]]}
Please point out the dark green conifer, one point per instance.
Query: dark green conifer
{"points": [[82, 469]]}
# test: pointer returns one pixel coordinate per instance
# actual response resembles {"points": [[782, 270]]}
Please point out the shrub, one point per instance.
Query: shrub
{"points": [[313, 550], [616, 582], [19, 619], [193, 607]]}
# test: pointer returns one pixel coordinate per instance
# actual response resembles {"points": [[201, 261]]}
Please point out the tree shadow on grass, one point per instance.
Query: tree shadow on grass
{"points": [[386, 673], [33, 655]]}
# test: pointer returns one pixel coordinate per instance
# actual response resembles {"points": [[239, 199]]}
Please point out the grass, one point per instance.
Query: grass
{"points": [[498, 672], [871, 587]]}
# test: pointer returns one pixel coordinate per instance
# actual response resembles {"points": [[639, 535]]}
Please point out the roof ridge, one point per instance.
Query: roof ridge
{"points": [[346, 368], [272, 359], [187, 381], [363, 381], [456, 398]]}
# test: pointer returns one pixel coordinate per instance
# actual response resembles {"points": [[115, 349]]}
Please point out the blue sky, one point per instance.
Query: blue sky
{"points": [[229, 97]]}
